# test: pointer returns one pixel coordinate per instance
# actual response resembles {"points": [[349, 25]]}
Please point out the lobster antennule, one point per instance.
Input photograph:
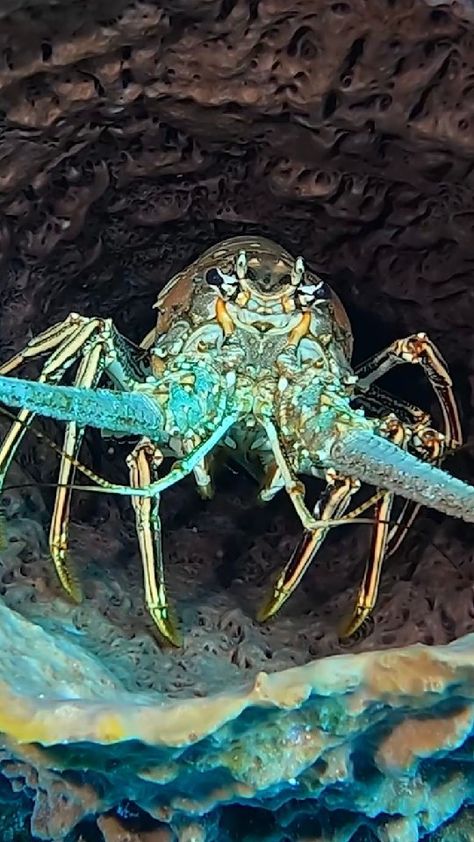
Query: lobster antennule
{"points": [[374, 459], [120, 412]]}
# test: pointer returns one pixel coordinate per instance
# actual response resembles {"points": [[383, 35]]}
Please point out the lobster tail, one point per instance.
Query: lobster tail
{"points": [[375, 460]]}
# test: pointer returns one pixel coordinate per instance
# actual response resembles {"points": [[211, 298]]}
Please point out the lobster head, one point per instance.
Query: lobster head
{"points": [[261, 279]]}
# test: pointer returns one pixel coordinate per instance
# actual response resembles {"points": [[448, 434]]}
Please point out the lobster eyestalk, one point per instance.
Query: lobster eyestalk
{"points": [[373, 459], [120, 412]]}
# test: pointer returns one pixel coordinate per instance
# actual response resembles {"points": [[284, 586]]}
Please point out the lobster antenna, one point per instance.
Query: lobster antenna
{"points": [[351, 518], [330, 522]]}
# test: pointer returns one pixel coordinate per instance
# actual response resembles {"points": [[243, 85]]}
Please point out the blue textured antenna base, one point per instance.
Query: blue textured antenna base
{"points": [[119, 412], [385, 465]]}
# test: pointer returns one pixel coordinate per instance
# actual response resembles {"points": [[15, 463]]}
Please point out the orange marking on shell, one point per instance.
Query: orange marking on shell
{"points": [[223, 317], [300, 330]]}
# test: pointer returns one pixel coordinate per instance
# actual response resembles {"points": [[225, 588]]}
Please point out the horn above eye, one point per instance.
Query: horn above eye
{"points": [[227, 285], [241, 265], [297, 273]]}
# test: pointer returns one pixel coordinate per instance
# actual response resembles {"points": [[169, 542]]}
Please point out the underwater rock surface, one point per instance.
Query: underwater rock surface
{"points": [[132, 136], [380, 742], [108, 734]]}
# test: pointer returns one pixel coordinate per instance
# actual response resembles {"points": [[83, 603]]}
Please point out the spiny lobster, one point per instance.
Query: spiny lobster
{"points": [[250, 356]]}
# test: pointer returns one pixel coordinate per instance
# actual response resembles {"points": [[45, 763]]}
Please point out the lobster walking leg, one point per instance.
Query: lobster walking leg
{"points": [[88, 375], [50, 339], [368, 590], [282, 476], [332, 504], [418, 349], [429, 444], [66, 342], [143, 463]]}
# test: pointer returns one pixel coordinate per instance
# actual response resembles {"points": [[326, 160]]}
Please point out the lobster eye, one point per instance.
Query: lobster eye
{"points": [[308, 294], [227, 285], [214, 278]]}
